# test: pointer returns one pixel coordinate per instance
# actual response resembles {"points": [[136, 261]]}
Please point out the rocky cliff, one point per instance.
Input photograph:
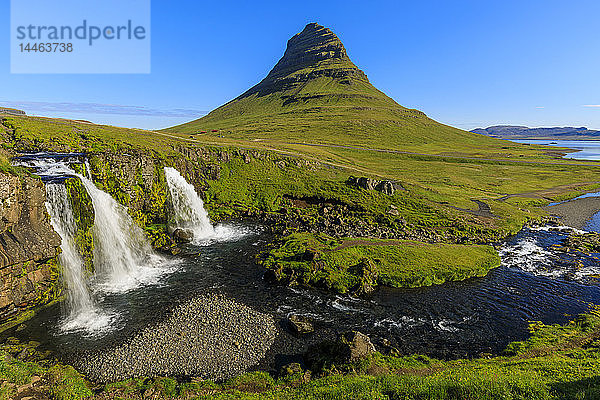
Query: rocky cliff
{"points": [[314, 52], [28, 246]]}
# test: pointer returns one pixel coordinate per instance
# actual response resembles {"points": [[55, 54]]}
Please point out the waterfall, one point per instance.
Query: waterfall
{"points": [[81, 310], [188, 207], [123, 258], [88, 170]]}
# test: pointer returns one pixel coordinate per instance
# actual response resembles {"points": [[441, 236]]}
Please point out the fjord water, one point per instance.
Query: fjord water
{"points": [[586, 149]]}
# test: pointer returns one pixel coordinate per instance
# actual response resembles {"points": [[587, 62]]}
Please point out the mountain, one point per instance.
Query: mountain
{"points": [[523, 132], [316, 94]]}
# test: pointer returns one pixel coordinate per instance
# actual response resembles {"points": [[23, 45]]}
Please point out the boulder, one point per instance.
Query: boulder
{"points": [[300, 324], [355, 346], [290, 369], [367, 272], [385, 187], [183, 235], [366, 183]]}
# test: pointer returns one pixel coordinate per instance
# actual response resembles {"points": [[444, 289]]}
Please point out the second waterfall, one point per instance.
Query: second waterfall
{"points": [[188, 207]]}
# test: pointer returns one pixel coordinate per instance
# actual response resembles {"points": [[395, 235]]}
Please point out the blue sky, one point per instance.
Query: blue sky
{"points": [[465, 63]]}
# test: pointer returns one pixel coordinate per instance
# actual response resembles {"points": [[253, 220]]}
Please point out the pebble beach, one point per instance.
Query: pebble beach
{"points": [[210, 337]]}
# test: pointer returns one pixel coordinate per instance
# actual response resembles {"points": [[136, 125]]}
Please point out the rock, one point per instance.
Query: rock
{"points": [[300, 324], [183, 235], [294, 371], [355, 346], [366, 183], [271, 276], [290, 369], [385, 187], [174, 250], [170, 249], [25, 353], [368, 275]]}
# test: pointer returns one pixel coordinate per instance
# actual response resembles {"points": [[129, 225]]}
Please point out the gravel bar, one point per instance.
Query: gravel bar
{"points": [[576, 213], [211, 337]]}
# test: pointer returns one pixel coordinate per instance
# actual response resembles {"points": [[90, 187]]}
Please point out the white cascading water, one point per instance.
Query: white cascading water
{"points": [[82, 312], [88, 170], [123, 258], [188, 207]]}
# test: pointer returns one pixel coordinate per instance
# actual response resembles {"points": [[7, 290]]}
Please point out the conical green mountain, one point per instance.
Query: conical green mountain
{"points": [[315, 94]]}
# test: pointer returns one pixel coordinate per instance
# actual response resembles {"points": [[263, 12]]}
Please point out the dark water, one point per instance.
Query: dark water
{"points": [[451, 320]]}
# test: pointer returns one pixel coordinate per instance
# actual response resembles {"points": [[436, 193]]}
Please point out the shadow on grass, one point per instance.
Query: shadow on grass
{"points": [[583, 389]]}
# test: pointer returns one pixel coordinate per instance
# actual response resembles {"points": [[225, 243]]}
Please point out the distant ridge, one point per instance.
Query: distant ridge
{"points": [[523, 132], [11, 111], [315, 93]]}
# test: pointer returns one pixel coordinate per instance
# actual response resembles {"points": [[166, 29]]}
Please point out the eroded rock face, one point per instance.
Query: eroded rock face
{"points": [[28, 245], [315, 52], [314, 44]]}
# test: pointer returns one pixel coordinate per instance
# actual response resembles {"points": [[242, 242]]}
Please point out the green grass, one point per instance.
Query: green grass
{"points": [[60, 382], [359, 264], [434, 186]]}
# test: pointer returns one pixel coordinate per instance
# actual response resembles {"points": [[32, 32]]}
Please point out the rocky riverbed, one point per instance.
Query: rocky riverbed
{"points": [[210, 336]]}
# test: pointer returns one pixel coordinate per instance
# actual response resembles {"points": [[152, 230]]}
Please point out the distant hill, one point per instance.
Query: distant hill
{"points": [[11, 111], [523, 132], [315, 93]]}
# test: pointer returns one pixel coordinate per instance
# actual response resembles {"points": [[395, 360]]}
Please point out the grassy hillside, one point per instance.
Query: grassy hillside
{"points": [[445, 182]]}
